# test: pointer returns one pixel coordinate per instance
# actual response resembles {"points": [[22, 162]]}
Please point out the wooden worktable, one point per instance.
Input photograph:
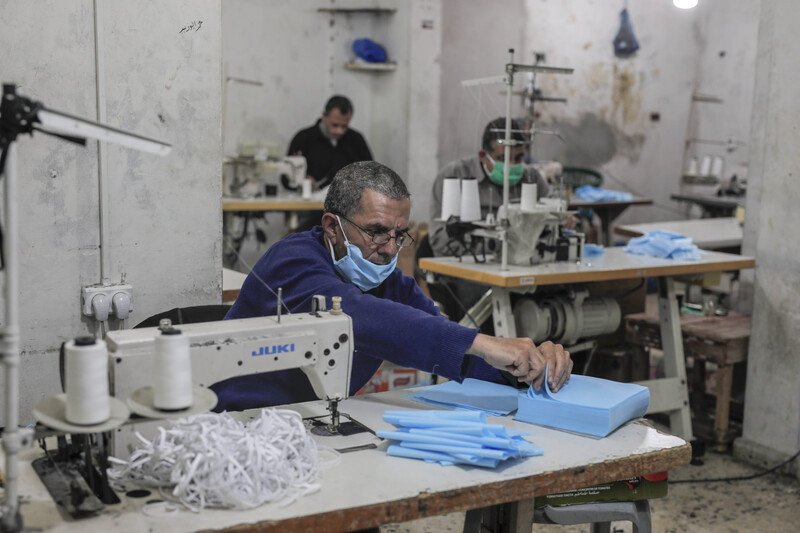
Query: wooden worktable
{"points": [[275, 203], [368, 488], [615, 263]]}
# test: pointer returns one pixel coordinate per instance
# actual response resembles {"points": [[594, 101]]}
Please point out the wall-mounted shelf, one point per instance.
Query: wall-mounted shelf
{"points": [[348, 10], [373, 67]]}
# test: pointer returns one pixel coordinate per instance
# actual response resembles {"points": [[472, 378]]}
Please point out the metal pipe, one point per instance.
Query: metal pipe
{"points": [[507, 157], [103, 187], [10, 343]]}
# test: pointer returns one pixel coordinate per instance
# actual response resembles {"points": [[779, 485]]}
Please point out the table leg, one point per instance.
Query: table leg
{"points": [[513, 517], [723, 407], [670, 394], [504, 325], [292, 220], [480, 311]]}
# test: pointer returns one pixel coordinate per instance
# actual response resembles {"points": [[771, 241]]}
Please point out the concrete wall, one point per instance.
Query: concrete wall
{"points": [[628, 117], [163, 236], [772, 401], [298, 54], [476, 37]]}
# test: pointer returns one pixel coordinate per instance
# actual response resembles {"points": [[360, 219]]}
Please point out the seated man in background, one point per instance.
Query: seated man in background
{"points": [[487, 167], [353, 255], [331, 143]]}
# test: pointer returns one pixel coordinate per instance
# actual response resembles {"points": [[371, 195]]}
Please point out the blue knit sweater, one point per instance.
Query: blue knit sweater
{"points": [[394, 322]]}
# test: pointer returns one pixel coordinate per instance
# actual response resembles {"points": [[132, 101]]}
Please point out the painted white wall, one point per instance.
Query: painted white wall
{"points": [[298, 54], [165, 221], [772, 401]]}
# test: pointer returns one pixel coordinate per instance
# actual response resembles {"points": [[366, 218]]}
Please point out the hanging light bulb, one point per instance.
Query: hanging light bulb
{"points": [[684, 4]]}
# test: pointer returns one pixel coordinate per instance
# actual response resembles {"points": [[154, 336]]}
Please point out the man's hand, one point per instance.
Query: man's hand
{"points": [[524, 360]]}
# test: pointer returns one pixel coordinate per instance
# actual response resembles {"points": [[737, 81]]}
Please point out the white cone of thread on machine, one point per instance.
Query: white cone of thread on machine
{"points": [[172, 388], [717, 165], [86, 381], [451, 197], [470, 202], [705, 166], [530, 197]]}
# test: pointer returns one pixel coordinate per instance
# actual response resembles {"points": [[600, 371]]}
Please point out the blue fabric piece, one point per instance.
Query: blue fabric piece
{"points": [[625, 43], [593, 250], [438, 415], [664, 244], [445, 459], [495, 399], [302, 266], [590, 193], [461, 439], [585, 404], [369, 50]]}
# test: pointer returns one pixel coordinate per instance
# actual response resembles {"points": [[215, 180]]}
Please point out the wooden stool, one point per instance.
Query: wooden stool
{"points": [[720, 339]]}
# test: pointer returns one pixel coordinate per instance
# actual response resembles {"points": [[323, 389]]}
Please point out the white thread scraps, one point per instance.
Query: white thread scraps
{"points": [[213, 460]]}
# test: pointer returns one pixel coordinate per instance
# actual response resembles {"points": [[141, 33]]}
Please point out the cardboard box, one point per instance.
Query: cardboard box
{"points": [[392, 377], [636, 488]]}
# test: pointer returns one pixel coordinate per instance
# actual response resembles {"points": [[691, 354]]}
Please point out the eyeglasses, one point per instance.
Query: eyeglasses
{"points": [[402, 239]]}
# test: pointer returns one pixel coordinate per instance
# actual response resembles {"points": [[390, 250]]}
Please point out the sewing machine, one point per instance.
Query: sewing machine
{"points": [[252, 177], [319, 343], [533, 235]]}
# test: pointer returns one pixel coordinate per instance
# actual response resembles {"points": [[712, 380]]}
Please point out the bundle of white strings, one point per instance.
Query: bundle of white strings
{"points": [[213, 460]]}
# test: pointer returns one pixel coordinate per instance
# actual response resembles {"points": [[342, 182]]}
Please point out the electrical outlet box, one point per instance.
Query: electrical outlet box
{"points": [[89, 292]]}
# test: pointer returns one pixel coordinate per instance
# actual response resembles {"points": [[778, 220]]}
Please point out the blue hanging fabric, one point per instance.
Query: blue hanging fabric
{"points": [[625, 43]]}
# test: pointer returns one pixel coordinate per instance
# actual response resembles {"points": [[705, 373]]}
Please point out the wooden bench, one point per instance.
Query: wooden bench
{"points": [[720, 339]]}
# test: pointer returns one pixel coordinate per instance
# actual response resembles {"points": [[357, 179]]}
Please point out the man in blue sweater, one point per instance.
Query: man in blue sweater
{"points": [[353, 255]]}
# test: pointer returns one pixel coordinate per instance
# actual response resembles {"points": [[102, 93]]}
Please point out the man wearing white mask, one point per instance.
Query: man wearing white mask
{"points": [[353, 255], [487, 167]]}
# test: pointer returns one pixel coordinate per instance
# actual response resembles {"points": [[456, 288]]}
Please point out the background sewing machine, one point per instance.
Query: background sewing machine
{"points": [[533, 234], [260, 170]]}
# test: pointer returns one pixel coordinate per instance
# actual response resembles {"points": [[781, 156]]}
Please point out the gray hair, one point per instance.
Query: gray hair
{"points": [[348, 185]]}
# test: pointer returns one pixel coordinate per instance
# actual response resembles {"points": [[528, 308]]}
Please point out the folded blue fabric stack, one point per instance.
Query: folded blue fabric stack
{"points": [[589, 193], [454, 437], [664, 244], [473, 394]]}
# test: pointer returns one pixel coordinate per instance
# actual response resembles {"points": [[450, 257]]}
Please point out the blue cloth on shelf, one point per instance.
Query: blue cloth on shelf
{"points": [[589, 193], [664, 244], [369, 50], [462, 437], [493, 398]]}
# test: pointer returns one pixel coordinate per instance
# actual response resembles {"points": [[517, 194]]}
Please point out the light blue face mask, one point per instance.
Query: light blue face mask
{"points": [[514, 172], [364, 274]]}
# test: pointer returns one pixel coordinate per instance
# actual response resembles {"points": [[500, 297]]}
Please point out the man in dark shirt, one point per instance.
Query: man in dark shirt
{"points": [[330, 144]]}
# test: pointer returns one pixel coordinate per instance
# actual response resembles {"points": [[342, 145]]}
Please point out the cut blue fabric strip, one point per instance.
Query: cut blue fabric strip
{"points": [[454, 437]]}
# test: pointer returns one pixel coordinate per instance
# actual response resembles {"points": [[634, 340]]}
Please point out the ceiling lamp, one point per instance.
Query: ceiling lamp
{"points": [[684, 4]]}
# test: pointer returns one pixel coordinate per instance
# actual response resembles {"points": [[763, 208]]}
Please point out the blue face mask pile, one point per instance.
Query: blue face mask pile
{"points": [[665, 244], [454, 437], [589, 193]]}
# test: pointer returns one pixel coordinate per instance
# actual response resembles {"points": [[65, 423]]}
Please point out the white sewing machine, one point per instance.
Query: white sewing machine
{"points": [[533, 235], [319, 343], [252, 177]]}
